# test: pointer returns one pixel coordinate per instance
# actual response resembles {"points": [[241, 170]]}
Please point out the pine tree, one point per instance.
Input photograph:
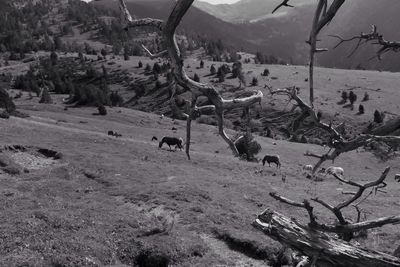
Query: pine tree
{"points": [[361, 109], [212, 69], [366, 97], [156, 68], [54, 58], [378, 118], [352, 97], [265, 72], [345, 96], [254, 81], [196, 78]]}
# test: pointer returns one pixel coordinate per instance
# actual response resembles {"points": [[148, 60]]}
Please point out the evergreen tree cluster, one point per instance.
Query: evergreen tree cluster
{"points": [[63, 76]]}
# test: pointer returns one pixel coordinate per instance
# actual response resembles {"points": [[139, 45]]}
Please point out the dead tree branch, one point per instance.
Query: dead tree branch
{"points": [[309, 112], [372, 37], [345, 227], [152, 56], [167, 30], [284, 3], [323, 15], [326, 250], [337, 142]]}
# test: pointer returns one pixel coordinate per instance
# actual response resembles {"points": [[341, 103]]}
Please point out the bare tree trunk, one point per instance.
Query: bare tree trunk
{"points": [[222, 133], [313, 48], [189, 126], [324, 249]]}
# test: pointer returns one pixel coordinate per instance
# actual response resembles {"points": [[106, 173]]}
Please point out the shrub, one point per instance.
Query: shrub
{"points": [[352, 97], [344, 96], [361, 109], [236, 69], [46, 98], [156, 68], [116, 99], [319, 115], [196, 78], [158, 84], [265, 72], [140, 64], [209, 120], [147, 68], [254, 82], [140, 90], [102, 110], [212, 69], [4, 114], [366, 97], [170, 77], [378, 118], [54, 58], [103, 52], [248, 146], [221, 78]]}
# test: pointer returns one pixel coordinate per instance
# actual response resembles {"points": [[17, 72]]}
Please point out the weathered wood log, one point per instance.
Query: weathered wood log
{"points": [[325, 249], [388, 128]]}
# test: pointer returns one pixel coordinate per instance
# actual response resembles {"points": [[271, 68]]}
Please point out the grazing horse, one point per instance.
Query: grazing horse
{"points": [[172, 141]]}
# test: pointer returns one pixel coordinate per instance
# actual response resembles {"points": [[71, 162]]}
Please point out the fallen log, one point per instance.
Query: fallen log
{"points": [[326, 250]]}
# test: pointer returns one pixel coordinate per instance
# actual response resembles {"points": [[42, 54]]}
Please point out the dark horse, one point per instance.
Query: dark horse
{"points": [[172, 141]]}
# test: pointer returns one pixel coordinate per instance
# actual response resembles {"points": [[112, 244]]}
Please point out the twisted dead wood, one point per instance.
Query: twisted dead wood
{"points": [[167, 31], [324, 249], [324, 14], [373, 37]]}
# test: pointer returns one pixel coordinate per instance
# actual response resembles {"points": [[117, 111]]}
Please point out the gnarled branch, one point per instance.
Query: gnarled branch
{"points": [[197, 89], [372, 37], [326, 250], [344, 227]]}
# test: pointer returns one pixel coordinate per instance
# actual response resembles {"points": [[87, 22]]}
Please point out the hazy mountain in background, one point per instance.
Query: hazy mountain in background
{"points": [[247, 10], [195, 22], [284, 34], [355, 17]]}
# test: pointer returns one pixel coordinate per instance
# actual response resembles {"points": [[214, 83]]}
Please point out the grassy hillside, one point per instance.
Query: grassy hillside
{"points": [[123, 201]]}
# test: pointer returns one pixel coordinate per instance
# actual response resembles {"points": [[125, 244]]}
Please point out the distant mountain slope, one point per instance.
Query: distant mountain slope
{"points": [[284, 35], [195, 22], [355, 17], [246, 10]]}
